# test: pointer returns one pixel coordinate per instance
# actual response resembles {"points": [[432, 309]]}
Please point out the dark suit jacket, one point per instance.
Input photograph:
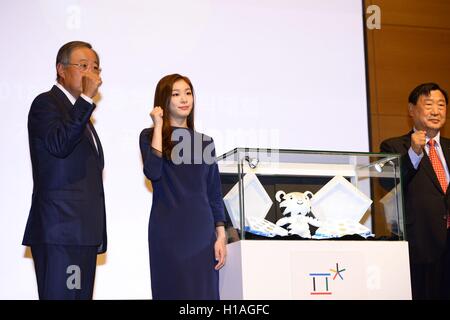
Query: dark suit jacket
{"points": [[426, 205], [68, 203]]}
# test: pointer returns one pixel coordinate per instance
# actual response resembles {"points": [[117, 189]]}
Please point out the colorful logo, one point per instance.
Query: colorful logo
{"points": [[321, 282]]}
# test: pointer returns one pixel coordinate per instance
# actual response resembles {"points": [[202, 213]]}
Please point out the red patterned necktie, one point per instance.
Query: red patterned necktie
{"points": [[438, 169]]}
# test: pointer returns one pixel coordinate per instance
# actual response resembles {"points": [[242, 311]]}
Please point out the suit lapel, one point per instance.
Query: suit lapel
{"points": [[445, 145], [89, 135], [99, 149]]}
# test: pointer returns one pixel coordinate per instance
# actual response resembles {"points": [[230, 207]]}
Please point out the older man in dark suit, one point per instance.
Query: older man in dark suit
{"points": [[66, 227], [425, 172]]}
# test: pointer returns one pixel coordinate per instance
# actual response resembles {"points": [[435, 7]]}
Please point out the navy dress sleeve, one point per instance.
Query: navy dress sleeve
{"points": [[215, 192], [151, 157]]}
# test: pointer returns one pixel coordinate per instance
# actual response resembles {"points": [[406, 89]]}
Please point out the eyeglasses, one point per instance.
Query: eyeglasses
{"points": [[83, 66]]}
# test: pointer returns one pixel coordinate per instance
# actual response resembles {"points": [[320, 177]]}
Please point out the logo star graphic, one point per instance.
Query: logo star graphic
{"points": [[337, 272]]}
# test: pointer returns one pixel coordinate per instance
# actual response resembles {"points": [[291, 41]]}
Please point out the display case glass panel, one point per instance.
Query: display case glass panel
{"points": [[295, 194]]}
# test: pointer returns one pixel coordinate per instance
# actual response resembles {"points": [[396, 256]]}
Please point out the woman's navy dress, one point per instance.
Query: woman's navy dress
{"points": [[187, 204]]}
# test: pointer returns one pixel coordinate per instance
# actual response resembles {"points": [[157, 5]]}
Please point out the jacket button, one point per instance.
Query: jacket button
{"points": [[444, 217]]}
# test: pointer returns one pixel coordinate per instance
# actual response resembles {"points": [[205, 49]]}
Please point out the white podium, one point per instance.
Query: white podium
{"points": [[316, 270]]}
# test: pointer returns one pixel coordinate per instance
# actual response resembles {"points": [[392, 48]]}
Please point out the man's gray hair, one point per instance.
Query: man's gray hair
{"points": [[65, 52]]}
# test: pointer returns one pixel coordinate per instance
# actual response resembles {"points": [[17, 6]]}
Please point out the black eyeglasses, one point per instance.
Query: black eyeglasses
{"points": [[84, 66]]}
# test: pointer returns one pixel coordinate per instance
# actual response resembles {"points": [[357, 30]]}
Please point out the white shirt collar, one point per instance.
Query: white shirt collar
{"points": [[67, 93]]}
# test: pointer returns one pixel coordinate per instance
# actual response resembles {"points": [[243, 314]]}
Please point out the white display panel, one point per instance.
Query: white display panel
{"points": [[310, 270], [278, 74]]}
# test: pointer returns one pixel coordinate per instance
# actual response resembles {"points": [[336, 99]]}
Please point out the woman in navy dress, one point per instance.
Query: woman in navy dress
{"points": [[187, 239]]}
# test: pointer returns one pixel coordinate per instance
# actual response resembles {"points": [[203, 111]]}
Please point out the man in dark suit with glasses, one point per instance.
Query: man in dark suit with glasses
{"points": [[66, 227]]}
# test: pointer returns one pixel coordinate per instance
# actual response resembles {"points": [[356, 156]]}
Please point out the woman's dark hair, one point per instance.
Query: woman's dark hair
{"points": [[163, 94], [424, 89]]}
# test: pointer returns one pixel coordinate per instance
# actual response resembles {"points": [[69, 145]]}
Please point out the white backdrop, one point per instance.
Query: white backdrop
{"points": [[267, 73]]}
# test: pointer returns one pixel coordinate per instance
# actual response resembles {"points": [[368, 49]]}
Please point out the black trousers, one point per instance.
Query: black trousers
{"points": [[64, 272], [431, 281]]}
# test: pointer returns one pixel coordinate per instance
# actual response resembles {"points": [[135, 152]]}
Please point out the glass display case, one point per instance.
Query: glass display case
{"points": [[297, 195]]}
